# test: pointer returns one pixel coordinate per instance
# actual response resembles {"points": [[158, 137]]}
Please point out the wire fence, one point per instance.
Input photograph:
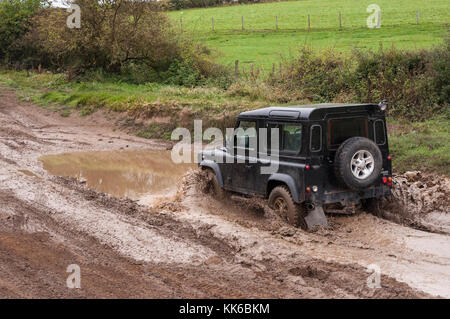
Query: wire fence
{"points": [[304, 22]]}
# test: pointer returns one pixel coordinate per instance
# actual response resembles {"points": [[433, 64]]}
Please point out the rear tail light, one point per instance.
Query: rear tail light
{"points": [[385, 180], [389, 179], [308, 189], [389, 157], [307, 167]]}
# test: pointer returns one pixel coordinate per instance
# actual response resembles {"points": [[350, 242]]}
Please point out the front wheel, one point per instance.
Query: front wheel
{"points": [[216, 190], [280, 200]]}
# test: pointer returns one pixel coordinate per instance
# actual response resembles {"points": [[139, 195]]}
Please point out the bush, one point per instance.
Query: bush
{"points": [[441, 67], [319, 78], [123, 37], [185, 4], [415, 83], [14, 21], [403, 78], [111, 35]]}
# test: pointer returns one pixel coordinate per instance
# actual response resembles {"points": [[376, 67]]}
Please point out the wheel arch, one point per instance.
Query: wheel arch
{"points": [[283, 179], [208, 164]]}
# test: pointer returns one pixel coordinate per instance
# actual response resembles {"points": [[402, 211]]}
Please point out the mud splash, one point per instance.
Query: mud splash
{"points": [[419, 200], [134, 174]]}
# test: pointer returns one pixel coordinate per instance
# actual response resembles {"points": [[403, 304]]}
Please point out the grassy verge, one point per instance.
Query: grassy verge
{"points": [[173, 105], [418, 145], [261, 43], [421, 145], [54, 91]]}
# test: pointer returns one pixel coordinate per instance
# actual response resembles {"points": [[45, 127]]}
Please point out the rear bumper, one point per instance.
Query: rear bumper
{"points": [[347, 196]]}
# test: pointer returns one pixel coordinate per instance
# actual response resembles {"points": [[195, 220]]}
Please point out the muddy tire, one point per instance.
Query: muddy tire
{"points": [[358, 163], [214, 187], [373, 206], [381, 206], [280, 200]]}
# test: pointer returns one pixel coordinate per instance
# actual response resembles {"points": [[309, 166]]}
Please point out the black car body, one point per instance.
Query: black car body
{"points": [[309, 139]]}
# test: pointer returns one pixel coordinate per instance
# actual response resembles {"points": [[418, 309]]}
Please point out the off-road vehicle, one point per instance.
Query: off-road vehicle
{"points": [[331, 157]]}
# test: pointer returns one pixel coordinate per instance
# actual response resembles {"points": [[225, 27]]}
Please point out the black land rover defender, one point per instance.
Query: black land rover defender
{"points": [[329, 157]]}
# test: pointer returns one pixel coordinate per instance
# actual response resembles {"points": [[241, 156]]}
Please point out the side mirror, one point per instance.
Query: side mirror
{"points": [[383, 105]]}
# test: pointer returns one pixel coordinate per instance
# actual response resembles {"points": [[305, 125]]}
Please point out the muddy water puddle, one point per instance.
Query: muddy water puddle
{"points": [[135, 174]]}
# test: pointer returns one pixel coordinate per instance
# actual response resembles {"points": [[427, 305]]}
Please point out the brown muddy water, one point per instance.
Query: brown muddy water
{"points": [[135, 174]]}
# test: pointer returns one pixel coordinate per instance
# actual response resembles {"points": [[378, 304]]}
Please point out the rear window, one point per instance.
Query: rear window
{"points": [[341, 130], [380, 137], [316, 138]]}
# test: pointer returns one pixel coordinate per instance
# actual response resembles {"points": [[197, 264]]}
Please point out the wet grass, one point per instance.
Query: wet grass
{"points": [[421, 146], [55, 92]]}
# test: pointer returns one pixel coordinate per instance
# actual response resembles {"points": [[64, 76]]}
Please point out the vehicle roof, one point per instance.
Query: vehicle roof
{"points": [[309, 112]]}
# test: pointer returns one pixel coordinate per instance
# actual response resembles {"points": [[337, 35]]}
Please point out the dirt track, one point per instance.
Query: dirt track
{"points": [[189, 246]]}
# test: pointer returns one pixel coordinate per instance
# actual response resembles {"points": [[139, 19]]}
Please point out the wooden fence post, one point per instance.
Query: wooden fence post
{"points": [[276, 22], [340, 20], [417, 16], [236, 66], [242, 22], [212, 23], [181, 23], [309, 22]]}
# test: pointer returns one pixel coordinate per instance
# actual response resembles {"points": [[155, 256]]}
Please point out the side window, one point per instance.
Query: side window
{"points": [[245, 135], [292, 138], [316, 138], [380, 135]]}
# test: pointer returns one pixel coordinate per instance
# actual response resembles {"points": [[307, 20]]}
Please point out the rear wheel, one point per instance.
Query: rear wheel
{"points": [[377, 205], [280, 200]]}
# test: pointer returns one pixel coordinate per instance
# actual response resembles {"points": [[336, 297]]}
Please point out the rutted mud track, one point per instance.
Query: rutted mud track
{"points": [[186, 246]]}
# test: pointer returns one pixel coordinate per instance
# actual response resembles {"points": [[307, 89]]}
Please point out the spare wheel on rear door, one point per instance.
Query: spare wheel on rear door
{"points": [[358, 163]]}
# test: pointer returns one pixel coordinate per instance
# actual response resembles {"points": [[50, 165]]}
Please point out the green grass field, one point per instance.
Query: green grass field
{"points": [[262, 44]]}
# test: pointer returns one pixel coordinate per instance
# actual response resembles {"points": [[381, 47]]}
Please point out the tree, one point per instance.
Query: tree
{"points": [[15, 21]]}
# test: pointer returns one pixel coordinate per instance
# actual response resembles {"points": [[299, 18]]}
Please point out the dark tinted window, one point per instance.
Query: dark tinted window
{"points": [[316, 138], [341, 130], [290, 137], [246, 135], [380, 137]]}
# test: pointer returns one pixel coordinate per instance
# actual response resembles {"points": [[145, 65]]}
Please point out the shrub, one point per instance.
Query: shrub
{"points": [[441, 66], [415, 83], [185, 4], [111, 35], [14, 21], [130, 38], [319, 78]]}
